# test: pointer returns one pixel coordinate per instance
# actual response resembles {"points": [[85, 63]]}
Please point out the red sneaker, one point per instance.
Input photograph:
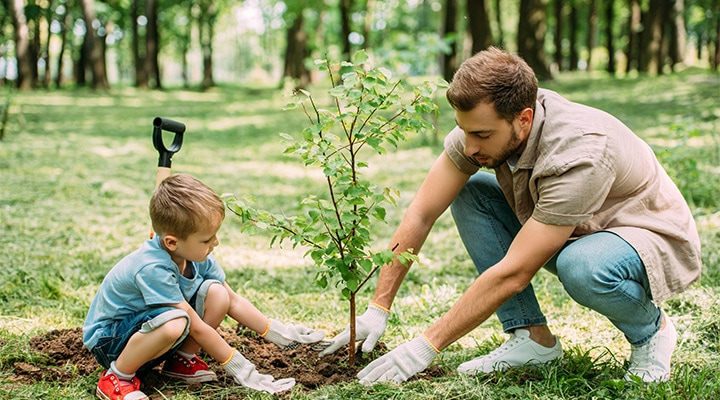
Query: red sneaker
{"points": [[190, 370], [111, 388]]}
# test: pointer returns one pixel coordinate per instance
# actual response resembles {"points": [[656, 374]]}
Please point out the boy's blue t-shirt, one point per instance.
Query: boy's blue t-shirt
{"points": [[144, 279]]}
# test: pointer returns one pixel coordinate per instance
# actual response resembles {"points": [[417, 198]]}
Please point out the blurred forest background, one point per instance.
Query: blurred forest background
{"points": [[151, 44]]}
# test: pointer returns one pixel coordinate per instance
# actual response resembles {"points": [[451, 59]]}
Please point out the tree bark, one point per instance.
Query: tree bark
{"points": [[152, 45], [609, 37], [531, 37], [632, 53], [448, 62], [141, 78], [64, 28], [677, 36], [479, 25], [574, 54], [207, 32], [22, 45], [95, 53], [296, 52], [592, 32], [558, 39], [498, 20], [345, 30], [652, 38]]}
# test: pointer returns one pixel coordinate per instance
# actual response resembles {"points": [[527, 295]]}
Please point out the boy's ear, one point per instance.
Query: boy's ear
{"points": [[170, 242]]}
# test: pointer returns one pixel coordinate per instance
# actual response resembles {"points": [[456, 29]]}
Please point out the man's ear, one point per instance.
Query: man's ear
{"points": [[170, 242], [526, 118]]}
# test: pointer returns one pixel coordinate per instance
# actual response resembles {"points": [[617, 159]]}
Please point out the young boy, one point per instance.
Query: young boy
{"points": [[164, 301]]}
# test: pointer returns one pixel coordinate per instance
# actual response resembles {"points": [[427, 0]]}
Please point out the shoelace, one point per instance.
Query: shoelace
{"points": [[505, 347]]}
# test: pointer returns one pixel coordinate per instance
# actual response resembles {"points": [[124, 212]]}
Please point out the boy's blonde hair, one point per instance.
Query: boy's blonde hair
{"points": [[182, 204]]}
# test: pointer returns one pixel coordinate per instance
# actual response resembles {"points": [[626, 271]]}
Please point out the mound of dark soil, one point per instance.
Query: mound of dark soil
{"points": [[67, 357]]}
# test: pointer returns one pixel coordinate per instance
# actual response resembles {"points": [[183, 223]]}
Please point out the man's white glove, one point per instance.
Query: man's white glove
{"points": [[400, 364], [289, 337], [368, 327], [244, 373]]}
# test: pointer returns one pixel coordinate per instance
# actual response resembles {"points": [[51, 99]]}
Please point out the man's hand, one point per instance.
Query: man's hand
{"points": [[400, 364], [291, 336], [368, 327], [244, 373]]}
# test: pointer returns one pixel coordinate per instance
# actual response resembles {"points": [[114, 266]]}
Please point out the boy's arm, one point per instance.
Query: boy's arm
{"points": [[206, 336], [284, 335]]}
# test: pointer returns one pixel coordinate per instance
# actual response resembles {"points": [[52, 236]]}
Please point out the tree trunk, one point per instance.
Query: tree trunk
{"points": [[531, 37], [22, 45], [651, 38], [558, 34], [64, 28], [632, 54], [448, 62], [46, 50], [592, 32], [207, 32], [152, 45], [609, 22], [677, 36], [479, 25], [715, 60], [94, 48], [345, 30], [141, 78], [367, 23], [574, 56], [498, 20], [296, 52]]}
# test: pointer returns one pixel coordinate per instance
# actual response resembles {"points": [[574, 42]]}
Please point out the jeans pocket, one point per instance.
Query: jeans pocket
{"points": [[105, 352]]}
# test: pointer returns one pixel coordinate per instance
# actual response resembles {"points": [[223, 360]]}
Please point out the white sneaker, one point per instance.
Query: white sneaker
{"points": [[651, 361], [517, 351]]}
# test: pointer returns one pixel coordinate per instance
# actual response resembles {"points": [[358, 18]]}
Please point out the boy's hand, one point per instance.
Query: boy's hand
{"points": [[291, 336], [244, 373]]}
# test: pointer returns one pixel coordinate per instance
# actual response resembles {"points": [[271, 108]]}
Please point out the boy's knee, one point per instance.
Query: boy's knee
{"points": [[174, 329], [217, 296]]}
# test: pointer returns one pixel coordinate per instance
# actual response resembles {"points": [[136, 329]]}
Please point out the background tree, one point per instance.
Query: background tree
{"points": [[296, 47], [449, 61], [93, 47], [531, 37], [479, 25], [22, 45]]}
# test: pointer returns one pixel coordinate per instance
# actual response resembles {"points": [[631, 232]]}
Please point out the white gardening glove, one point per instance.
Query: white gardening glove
{"points": [[290, 336], [368, 327], [244, 373], [400, 364]]}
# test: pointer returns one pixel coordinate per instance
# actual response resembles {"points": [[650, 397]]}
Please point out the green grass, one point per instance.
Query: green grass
{"points": [[77, 169]]}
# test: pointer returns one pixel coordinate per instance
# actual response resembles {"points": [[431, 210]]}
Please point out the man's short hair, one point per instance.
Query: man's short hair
{"points": [[496, 77]]}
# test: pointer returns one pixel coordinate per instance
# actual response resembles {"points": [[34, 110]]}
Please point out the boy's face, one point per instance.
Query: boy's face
{"points": [[197, 246]]}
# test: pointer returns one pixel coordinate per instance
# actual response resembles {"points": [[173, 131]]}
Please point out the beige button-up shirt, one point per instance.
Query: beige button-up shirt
{"points": [[583, 167]]}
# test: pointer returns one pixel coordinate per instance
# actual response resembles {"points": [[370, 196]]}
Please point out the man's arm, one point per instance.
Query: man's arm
{"points": [[532, 247], [440, 187]]}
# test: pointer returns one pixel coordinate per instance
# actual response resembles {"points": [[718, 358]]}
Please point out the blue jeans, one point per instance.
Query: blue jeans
{"points": [[600, 271]]}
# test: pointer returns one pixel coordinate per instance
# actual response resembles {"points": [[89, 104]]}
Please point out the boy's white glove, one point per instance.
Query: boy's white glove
{"points": [[289, 337], [244, 373], [368, 327], [400, 364]]}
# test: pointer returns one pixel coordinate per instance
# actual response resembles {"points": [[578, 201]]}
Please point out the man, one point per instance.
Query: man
{"points": [[574, 191]]}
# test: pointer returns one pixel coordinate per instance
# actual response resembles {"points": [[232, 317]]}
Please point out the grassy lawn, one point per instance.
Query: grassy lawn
{"points": [[77, 169]]}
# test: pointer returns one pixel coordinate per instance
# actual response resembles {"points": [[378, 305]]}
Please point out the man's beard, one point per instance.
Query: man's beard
{"points": [[511, 148]]}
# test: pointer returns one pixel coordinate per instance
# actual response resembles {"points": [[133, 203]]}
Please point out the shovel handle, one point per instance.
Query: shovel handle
{"points": [[165, 153]]}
